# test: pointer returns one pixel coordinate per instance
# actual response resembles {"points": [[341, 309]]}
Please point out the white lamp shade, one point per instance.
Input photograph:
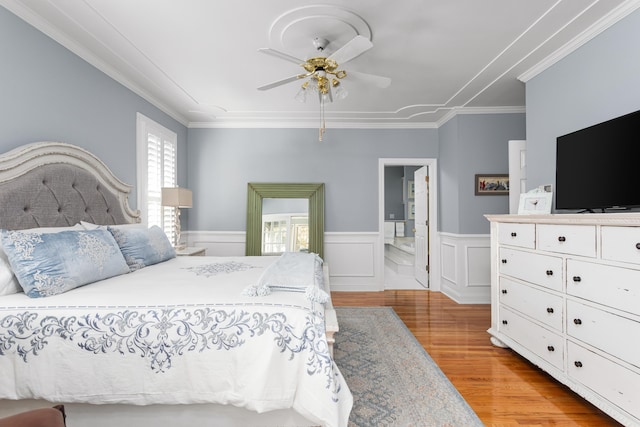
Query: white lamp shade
{"points": [[177, 197]]}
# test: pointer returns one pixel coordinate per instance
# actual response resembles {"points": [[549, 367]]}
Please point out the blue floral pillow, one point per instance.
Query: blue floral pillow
{"points": [[52, 263], [142, 247]]}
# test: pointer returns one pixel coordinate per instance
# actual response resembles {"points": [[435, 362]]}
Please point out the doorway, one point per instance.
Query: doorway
{"points": [[398, 231]]}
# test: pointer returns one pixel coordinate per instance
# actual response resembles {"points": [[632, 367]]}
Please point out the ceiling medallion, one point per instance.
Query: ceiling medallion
{"points": [[323, 25]]}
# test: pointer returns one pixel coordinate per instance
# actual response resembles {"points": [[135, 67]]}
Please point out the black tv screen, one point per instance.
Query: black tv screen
{"points": [[598, 167]]}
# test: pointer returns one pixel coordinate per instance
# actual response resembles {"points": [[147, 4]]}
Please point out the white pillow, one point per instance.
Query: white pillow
{"points": [[90, 226], [8, 282], [49, 230]]}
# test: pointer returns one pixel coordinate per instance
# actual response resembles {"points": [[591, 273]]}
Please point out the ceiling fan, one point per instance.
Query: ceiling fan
{"points": [[324, 71], [322, 74]]}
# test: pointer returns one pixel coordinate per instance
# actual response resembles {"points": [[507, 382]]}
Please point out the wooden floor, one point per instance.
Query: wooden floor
{"points": [[503, 388]]}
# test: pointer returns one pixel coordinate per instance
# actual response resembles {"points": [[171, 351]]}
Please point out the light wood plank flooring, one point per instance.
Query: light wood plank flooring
{"points": [[503, 388]]}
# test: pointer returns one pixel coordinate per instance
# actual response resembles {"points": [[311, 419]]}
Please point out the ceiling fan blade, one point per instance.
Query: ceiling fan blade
{"points": [[378, 81], [353, 48], [281, 55], [281, 82]]}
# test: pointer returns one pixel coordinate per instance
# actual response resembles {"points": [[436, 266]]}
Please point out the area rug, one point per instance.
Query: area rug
{"points": [[394, 381]]}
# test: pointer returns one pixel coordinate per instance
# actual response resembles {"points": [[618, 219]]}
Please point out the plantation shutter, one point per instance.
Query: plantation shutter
{"points": [[160, 150]]}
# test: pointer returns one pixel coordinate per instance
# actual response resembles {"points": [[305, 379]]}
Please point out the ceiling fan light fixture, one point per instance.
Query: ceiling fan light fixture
{"points": [[322, 74], [341, 92], [301, 96]]}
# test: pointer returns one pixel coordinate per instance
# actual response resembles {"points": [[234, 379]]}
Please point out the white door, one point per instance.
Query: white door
{"points": [[421, 262], [517, 173]]}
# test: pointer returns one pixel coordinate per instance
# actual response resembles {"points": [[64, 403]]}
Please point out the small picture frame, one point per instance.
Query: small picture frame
{"points": [[492, 184], [411, 208], [535, 203]]}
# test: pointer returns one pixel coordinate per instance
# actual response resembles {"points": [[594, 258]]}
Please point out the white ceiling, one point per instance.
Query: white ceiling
{"points": [[198, 60]]}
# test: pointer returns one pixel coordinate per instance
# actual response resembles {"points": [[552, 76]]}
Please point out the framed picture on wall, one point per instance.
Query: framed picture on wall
{"points": [[411, 209], [495, 184]]}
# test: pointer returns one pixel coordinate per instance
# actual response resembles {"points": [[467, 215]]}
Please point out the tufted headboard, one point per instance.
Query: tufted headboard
{"points": [[53, 184]]}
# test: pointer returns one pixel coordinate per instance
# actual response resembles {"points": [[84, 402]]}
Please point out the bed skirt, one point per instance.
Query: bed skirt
{"points": [[206, 415]]}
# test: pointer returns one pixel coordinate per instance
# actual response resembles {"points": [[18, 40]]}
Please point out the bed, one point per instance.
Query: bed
{"points": [[215, 341]]}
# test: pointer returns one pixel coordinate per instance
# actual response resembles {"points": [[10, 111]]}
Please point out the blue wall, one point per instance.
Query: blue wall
{"points": [[471, 144], [223, 161], [597, 82], [47, 93]]}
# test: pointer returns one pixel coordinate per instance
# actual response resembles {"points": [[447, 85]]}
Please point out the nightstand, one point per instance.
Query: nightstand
{"points": [[191, 251]]}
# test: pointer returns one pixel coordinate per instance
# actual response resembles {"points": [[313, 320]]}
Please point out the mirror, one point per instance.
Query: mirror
{"points": [[256, 195], [285, 225]]}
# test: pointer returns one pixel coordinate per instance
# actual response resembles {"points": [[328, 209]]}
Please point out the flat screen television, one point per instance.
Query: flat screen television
{"points": [[598, 168]]}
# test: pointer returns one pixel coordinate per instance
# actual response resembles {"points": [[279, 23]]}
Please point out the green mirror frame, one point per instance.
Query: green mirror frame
{"points": [[258, 191]]}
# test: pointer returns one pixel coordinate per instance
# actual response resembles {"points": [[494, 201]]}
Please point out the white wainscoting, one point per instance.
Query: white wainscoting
{"points": [[217, 243], [356, 262], [352, 257], [466, 267]]}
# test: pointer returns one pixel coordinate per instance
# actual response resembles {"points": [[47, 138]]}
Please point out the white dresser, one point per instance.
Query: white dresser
{"points": [[565, 294]]}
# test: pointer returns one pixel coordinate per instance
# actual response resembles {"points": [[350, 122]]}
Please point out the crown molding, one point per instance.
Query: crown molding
{"points": [[601, 25], [308, 124]]}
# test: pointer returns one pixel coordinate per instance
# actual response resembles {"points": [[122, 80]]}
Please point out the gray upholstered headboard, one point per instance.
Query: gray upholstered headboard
{"points": [[52, 184]]}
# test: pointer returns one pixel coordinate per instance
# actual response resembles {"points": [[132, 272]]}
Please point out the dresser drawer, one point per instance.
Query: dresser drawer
{"points": [[621, 244], [522, 235], [568, 239], [543, 270], [615, 383], [544, 343], [611, 286], [609, 332], [534, 302]]}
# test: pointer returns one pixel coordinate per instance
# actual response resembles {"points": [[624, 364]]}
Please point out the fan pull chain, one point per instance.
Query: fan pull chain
{"points": [[322, 121]]}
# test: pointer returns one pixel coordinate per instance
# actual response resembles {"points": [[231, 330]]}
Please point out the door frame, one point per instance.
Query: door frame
{"points": [[434, 256]]}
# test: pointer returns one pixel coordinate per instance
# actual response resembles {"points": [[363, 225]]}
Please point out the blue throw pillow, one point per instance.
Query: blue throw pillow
{"points": [[143, 246], [52, 263]]}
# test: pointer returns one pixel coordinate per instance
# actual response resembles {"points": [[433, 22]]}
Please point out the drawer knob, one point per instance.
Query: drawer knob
{"points": [[504, 322], [577, 321], [637, 245], [504, 261], [562, 239], [504, 291], [551, 348], [514, 234], [549, 272], [578, 364], [577, 279], [549, 310]]}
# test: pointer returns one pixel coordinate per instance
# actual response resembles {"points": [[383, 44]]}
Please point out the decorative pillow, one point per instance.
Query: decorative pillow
{"points": [[8, 281], [52, 263], [142, 247]]}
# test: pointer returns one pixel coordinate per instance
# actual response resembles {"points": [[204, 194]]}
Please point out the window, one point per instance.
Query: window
{"points": [[157, 161], [285, 233]]}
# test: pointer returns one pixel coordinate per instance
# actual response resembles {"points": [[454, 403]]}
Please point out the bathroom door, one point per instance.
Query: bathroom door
{"points": [[421, 262]]}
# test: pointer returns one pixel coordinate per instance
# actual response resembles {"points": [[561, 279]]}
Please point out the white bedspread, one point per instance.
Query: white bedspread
{"points": [[177, 332]]}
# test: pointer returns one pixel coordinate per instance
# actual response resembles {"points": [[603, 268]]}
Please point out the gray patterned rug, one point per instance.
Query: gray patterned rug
{"points": [[394, 381]]}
